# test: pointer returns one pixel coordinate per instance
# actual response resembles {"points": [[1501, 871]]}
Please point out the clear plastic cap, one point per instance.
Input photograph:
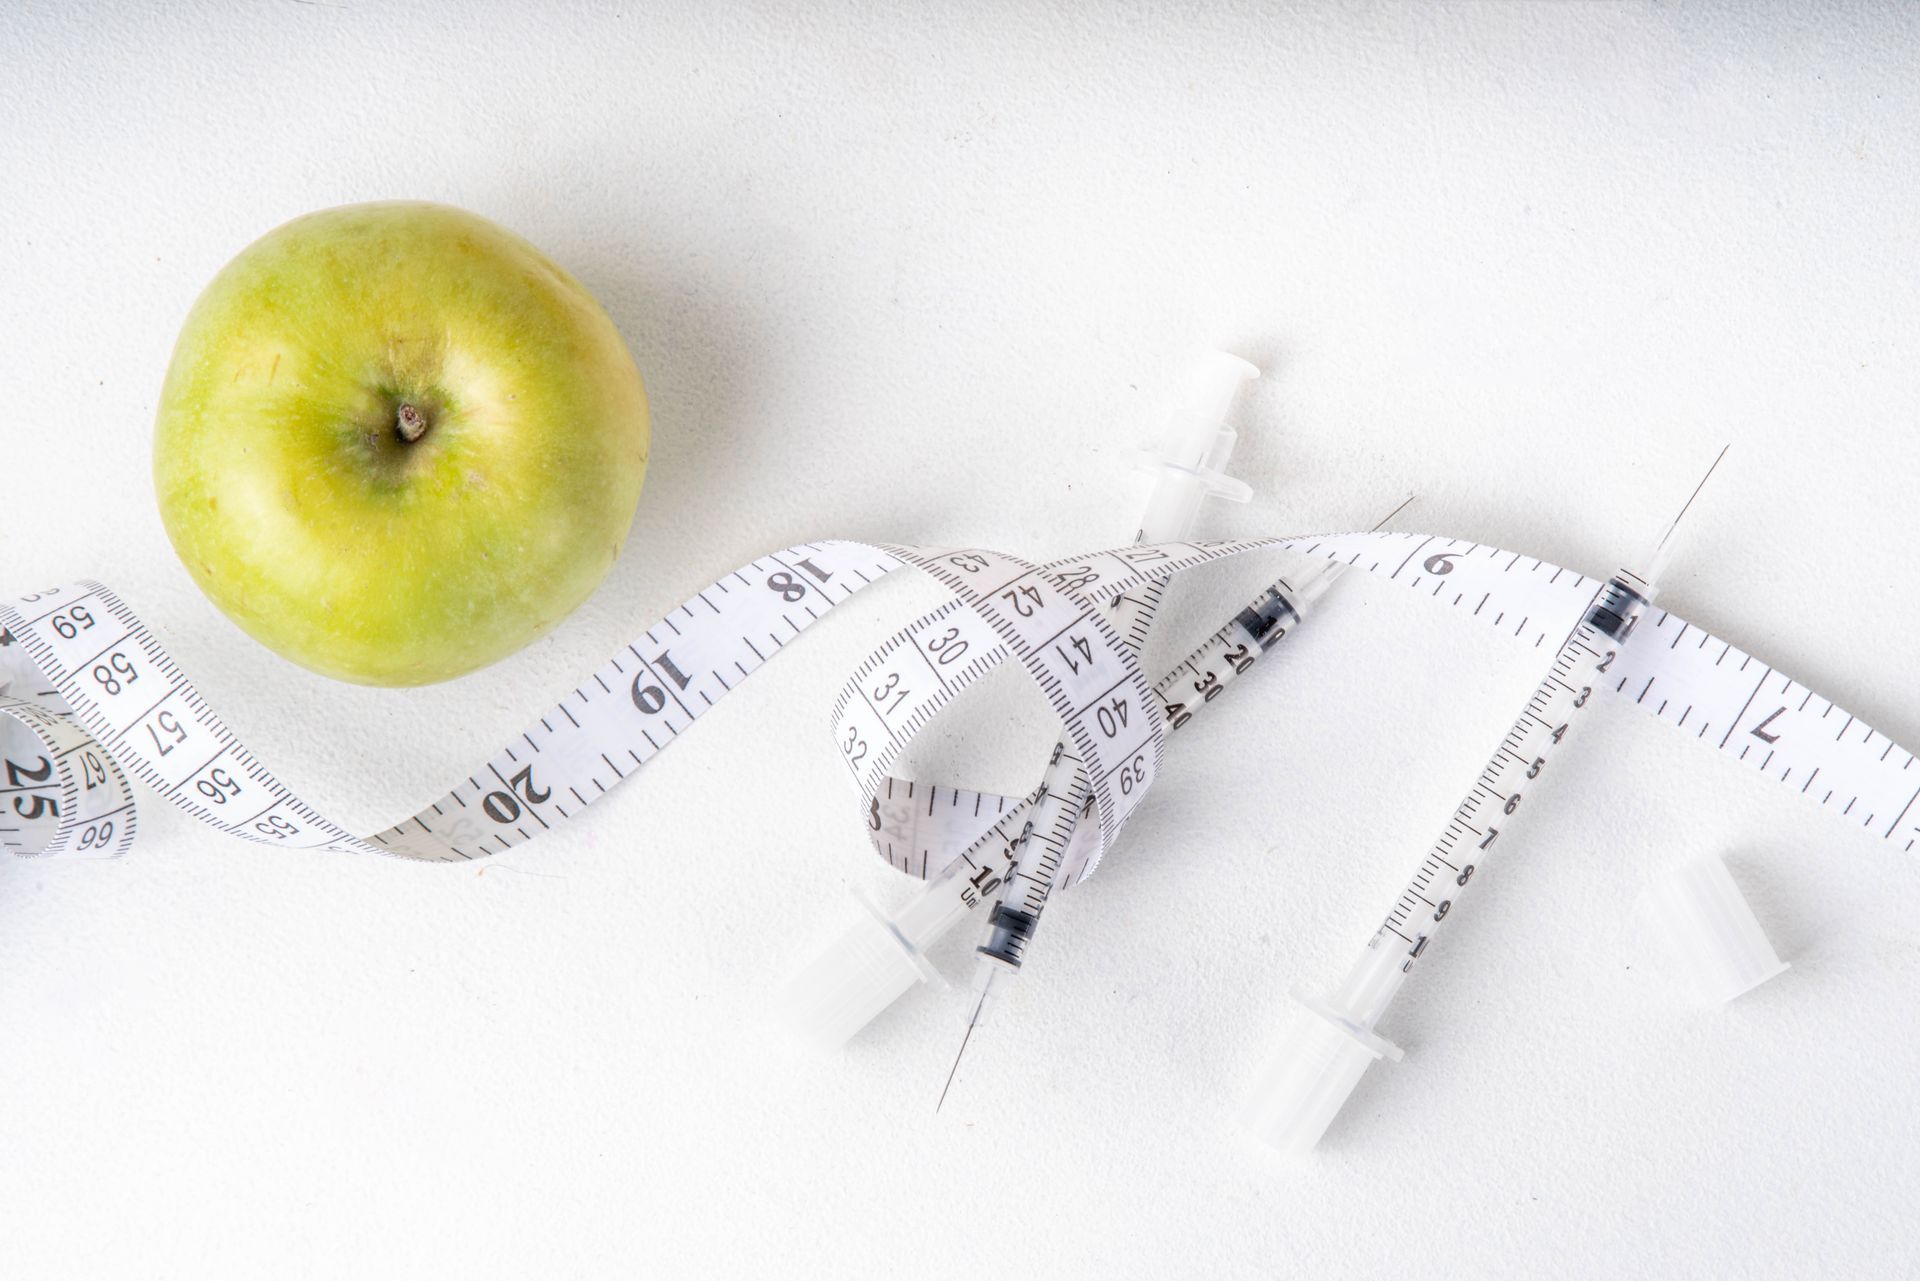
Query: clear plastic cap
{"points": [[1722, 949], [1320, 1060], [1191, 461], [1214, 379], [845, 987]]}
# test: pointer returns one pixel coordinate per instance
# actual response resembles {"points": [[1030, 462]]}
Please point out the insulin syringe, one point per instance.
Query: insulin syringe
{"points": [[1331, 1041], [880, 959], [1060, 805]]}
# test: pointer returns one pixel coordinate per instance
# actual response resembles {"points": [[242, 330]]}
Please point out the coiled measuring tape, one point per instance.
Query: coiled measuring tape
{"points": [[110, 699], [89, 698]]}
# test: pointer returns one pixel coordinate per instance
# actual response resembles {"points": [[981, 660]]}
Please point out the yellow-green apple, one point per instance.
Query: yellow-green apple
{"points": [[397, 443]]}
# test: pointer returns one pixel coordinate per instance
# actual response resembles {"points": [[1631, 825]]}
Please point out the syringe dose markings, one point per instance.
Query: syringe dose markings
{"points": [[1223, 657], [1694, 676], [1228, 653], [1449, 866]]}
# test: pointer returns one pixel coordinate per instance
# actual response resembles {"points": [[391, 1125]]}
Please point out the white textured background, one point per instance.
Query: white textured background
{"points": [[927, 277]]}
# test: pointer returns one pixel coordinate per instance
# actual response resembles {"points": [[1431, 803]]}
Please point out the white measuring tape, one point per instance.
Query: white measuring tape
{"points": [[92, 697], [110, 697]]}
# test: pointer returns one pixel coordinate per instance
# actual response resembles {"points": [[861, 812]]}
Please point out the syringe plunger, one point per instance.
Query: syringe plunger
{"points": [[1326, 1050], [1192, 459], [844, 988]]}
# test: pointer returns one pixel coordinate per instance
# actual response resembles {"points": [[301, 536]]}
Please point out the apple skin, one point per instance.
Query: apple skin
{"points": [[294, 497]]}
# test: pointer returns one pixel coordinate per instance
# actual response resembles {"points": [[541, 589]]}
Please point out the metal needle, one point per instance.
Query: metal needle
{"points": [[972, 1023]]}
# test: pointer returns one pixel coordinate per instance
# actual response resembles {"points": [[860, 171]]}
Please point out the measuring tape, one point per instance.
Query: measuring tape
{"points": [[92, 699], [93, 694]]}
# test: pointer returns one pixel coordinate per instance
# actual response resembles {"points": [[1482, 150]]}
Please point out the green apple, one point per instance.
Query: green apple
{"points": [[397, 443]]}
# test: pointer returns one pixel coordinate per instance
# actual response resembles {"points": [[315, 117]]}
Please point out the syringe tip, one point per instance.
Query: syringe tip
{"points": [[991, 979], [1304, 591]]}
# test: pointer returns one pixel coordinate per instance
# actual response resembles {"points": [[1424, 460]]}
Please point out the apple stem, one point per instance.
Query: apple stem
{"points": [[411, 424]]}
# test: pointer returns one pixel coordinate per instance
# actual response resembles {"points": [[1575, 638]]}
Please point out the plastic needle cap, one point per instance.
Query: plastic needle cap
{"points": [[1190, 462], [1721, 947]]}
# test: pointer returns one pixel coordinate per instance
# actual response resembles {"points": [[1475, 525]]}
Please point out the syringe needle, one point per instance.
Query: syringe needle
{"points": [[1663, 550], [1404, 504], [1697, 488], [972, 1023]]}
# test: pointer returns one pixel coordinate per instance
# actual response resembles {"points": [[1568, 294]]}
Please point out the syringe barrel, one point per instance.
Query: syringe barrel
{"points": [[1270, 618], [1371, 984], [1283, 606]]}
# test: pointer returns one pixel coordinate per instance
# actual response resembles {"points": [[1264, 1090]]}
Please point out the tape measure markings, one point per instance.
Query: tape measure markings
{"points": [[668, 685], [1772, 724], [1037, 620], [1703, 682], [646, 697]]}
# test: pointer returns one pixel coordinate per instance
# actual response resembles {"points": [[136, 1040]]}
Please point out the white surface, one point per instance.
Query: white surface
{"points": [[1535, 262]]}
